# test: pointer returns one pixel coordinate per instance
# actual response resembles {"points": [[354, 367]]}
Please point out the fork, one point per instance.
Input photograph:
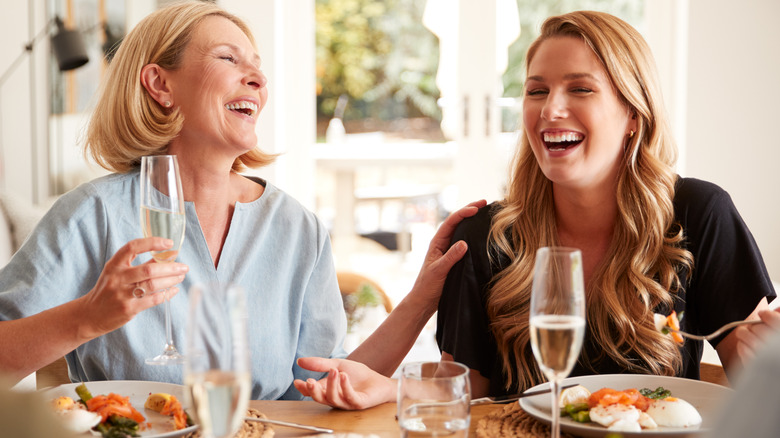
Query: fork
{"points": [[714, 334], [515, 397]]}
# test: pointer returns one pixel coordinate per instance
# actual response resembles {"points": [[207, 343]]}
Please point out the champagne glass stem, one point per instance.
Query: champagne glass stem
{"points": [[169, 347], [555, 413], [169, 355]]}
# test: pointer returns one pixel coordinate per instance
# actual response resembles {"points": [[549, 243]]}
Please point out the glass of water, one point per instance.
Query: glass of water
{"points": [[434, 399]]}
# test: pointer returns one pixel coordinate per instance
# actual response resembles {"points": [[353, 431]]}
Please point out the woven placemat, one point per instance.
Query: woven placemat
{"points": [[512, 421], [250, 429]]}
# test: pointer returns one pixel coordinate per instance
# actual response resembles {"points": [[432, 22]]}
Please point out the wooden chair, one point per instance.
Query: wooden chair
{"points": [[53, 374], [713, 373], [350, 282]]}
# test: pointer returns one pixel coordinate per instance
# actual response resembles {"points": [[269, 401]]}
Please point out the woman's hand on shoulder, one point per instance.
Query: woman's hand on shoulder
{"points": [[441, 256], [123, 290], [349, 385]]}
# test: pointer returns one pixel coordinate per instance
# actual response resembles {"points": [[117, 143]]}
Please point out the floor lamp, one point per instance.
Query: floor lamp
{"points": [[68, 47]]}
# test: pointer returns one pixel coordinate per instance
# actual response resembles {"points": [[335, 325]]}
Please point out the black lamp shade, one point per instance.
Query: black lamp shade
{"points": [[69, 48]]}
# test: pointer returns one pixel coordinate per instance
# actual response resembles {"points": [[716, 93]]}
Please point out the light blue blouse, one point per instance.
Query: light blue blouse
{"points": [[275, 249]]}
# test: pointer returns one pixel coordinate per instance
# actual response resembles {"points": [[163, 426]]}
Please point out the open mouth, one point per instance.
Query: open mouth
{"points": [[243, 107], [560, 141]]}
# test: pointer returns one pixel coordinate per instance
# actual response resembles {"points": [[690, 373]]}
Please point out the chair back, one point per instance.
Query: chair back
{"points": [[350, 282]]}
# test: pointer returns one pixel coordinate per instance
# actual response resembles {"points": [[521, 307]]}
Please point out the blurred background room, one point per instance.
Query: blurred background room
{"points": [[388, 114]]}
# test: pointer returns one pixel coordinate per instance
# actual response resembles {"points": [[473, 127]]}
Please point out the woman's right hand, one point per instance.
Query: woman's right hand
{"points": [[349, 385], [752, 338], [113, 301]]}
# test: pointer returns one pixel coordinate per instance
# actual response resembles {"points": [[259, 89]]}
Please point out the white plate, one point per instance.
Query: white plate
{"points": [[705, 397], [138, 391]]}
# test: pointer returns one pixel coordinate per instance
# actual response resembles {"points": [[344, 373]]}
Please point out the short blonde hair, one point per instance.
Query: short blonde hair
{"points": [[127, 122]]}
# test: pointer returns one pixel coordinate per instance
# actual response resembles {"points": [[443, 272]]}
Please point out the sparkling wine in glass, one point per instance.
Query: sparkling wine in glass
{"points": [[162, 215], [557, 317], [216, 370]]}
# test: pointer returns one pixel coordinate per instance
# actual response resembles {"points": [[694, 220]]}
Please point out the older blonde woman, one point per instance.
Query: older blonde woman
{"points": [[185, 81], [594, 170]]}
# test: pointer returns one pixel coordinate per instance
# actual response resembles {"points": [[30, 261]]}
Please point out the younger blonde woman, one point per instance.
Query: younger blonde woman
{"points": [[594, 170]]}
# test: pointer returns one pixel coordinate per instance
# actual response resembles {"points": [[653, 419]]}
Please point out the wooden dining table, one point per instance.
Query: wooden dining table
{"points": [[381, 420]]}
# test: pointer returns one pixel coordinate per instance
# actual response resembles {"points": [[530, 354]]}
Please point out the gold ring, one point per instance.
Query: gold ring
{"points": [[139, 292]]}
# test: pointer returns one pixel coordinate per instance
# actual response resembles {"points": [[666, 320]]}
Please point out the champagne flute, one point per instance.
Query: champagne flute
{"points": [[162, 215], [216, 368], [557, 317]]}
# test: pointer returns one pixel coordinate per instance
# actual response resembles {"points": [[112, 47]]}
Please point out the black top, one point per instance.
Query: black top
{"points": [[728, 281]]}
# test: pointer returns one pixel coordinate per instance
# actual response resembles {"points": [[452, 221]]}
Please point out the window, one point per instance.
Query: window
{"points": [[395, 73]]}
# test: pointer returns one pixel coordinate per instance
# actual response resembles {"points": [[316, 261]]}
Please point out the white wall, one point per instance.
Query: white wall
{"points": [[284, 30], [666, 31], [22, 143], [732, 118]]}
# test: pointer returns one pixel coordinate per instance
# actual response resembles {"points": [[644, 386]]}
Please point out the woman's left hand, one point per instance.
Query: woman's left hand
{"points": [[349, 385]]}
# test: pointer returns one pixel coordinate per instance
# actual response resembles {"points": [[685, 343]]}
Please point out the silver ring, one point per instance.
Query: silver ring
{"points": [[139, 292]]}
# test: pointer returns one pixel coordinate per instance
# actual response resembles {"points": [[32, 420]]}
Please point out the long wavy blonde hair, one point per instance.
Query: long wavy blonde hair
{"points": [[127, 122], [641, 267]]}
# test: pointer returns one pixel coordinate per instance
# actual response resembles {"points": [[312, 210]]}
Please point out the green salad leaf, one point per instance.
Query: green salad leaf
{"points": [[657, 394]]}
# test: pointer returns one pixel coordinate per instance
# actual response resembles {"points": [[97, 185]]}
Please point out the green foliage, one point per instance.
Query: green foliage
{"points": [[534, 12], [379, 55], [365, 296]]}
